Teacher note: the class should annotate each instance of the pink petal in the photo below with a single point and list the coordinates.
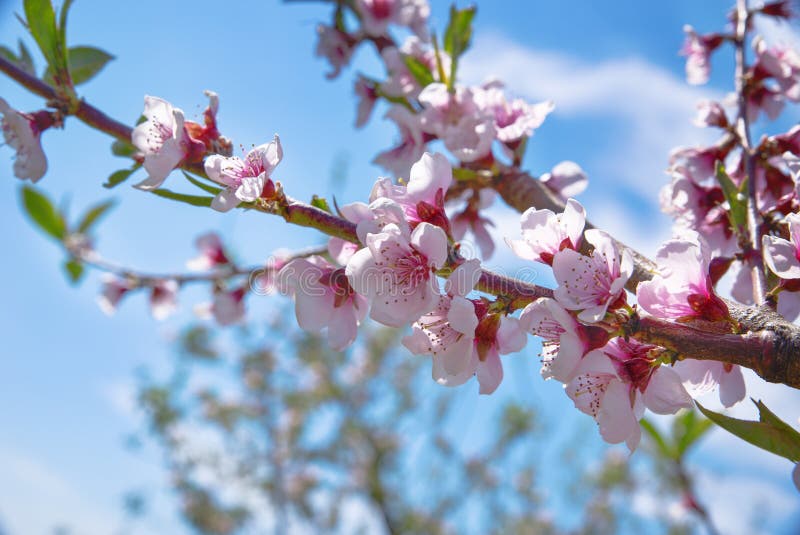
(431, 173)
(490, 373)
(731, 387)
(461, 316)
(781, 257)
(431, 241)
(464, 278)
(615, 417)
(665, 393)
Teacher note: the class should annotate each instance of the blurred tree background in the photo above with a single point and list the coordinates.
(279, 434)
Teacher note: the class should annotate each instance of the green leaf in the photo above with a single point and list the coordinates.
(688, 428)
(118, 177)
(208, 188)
(23, 60)
(770, 433)
(121, 148)
(94, 214)
(42, 212)
(41, 21)
(194, 200)
(62, 23)
(457, 37)
(74, 270)
(85, 62)
(736, 199)
(321, 203)
(654, 434)
(420, 71)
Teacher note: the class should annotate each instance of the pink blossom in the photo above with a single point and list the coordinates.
(515, 119)
(698, 49)
(264, 281)
(566, 180)
(783, 64)
(495, 335)
(471, 218)
(544, 233)
(766, 99)
(399, 159)
(341, 250)
(376, 15)
(401, 83)
(564, 340)
(422, 198)
(710, 113)
(395, 271)
(783, 256)
(458, 119)
(323, 299)
(163, 298)
(228, 306)
(702, 376)
(114, 288)
(244, 180)
(697, 164)
(616, 383)
(591, 284)
(447, 332)
(21, 133)
(212, 254)
(682, 288)
(367, 97)
(163, 139)
(336, 46)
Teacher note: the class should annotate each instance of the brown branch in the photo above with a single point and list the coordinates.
(752, 244)
(769, 349)
(86, 112)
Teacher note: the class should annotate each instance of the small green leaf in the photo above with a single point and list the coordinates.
(62, 23)
(41, 21)
(688, 428)
(770, 433)
(321, 203)
(118, 177)
(420, 71)
(94, 214)
(42, 212)
(458, 34)
(656, 436)
(25, 59)
(737, 200)
(208, 188)
(194, 200)
(85, 62)
(122, 148)
(74, 270)
(457, 37)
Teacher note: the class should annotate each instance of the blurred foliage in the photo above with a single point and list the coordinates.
(285, 435)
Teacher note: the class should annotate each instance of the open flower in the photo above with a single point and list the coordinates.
(783, 256)
(323, 299)
(447, 332)
(682, 288)
(458, 119)
(566, 180)
(564, 340)
(544, 233)
(471, 219)
(408, 150)
(336, 46)
(212, 254)
(244, 180)
(376, 15)
(114, 288)
(698, 49)
(515, 119)
(591, 284)
(163, 140)
(616, 383)
(164, 298)
(395, 272)
(22, 134)
(702, 376)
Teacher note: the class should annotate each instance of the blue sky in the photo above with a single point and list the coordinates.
(621, 104)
